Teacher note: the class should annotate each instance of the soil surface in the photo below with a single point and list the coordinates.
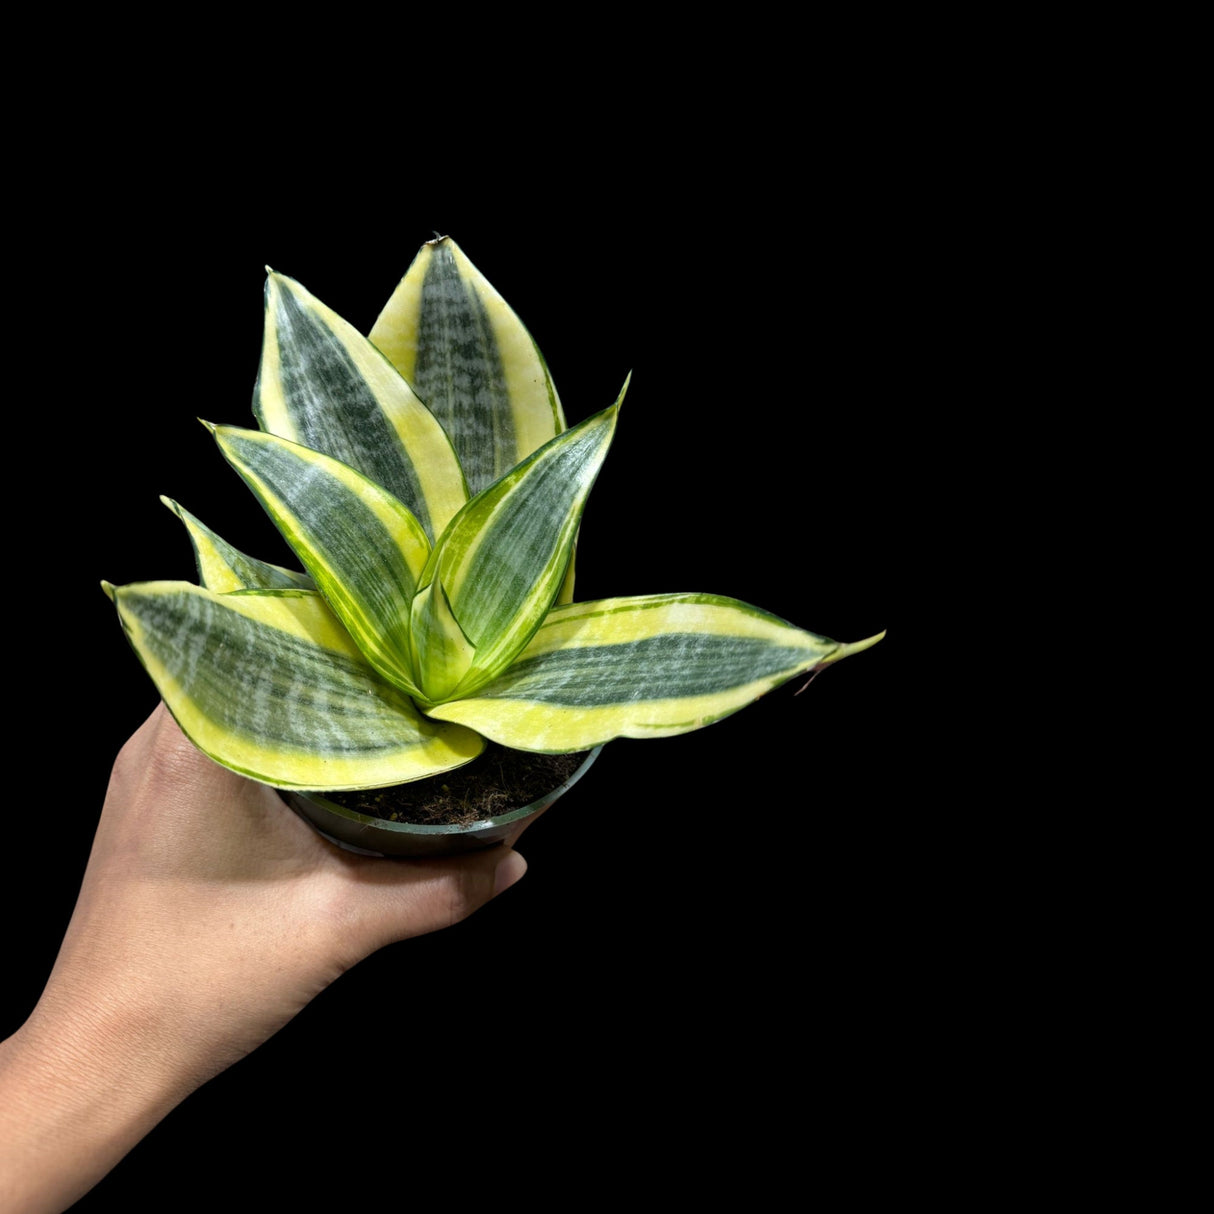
(498, 781)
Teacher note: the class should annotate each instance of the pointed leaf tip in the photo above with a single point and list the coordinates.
(846, 650)
(108, 587)
(619, 400)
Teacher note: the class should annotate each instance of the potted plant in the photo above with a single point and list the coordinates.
(427, 481)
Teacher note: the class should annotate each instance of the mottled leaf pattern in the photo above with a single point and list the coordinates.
(269, 684)
(323, 385)
(637, 668)
(468, 356)
(427, 483)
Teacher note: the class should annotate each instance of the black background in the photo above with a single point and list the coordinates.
(714, 928)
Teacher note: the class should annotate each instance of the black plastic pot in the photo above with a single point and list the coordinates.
(373, 836)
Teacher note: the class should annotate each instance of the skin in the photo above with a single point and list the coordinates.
(209, 915)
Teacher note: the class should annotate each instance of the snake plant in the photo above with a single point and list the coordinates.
(426, 480)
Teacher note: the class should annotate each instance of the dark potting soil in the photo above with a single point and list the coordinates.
(497, 781)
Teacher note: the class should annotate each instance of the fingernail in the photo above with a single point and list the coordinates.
(511, 868)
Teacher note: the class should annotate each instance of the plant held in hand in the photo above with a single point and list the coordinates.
(427, 482)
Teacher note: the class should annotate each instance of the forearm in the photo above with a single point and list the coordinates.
(77, 1091)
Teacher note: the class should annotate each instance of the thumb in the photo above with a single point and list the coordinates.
(403, 898)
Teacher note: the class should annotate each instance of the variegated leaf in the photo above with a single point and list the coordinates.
(442, 654)
(323, 385)
(363, 548)
(224, 569)
(639, 668)
(269, 684)
(468, 356)
(503, 559)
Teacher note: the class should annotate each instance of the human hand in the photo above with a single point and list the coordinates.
(209, 915)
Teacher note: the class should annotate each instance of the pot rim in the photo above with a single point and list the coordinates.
(481, 825)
